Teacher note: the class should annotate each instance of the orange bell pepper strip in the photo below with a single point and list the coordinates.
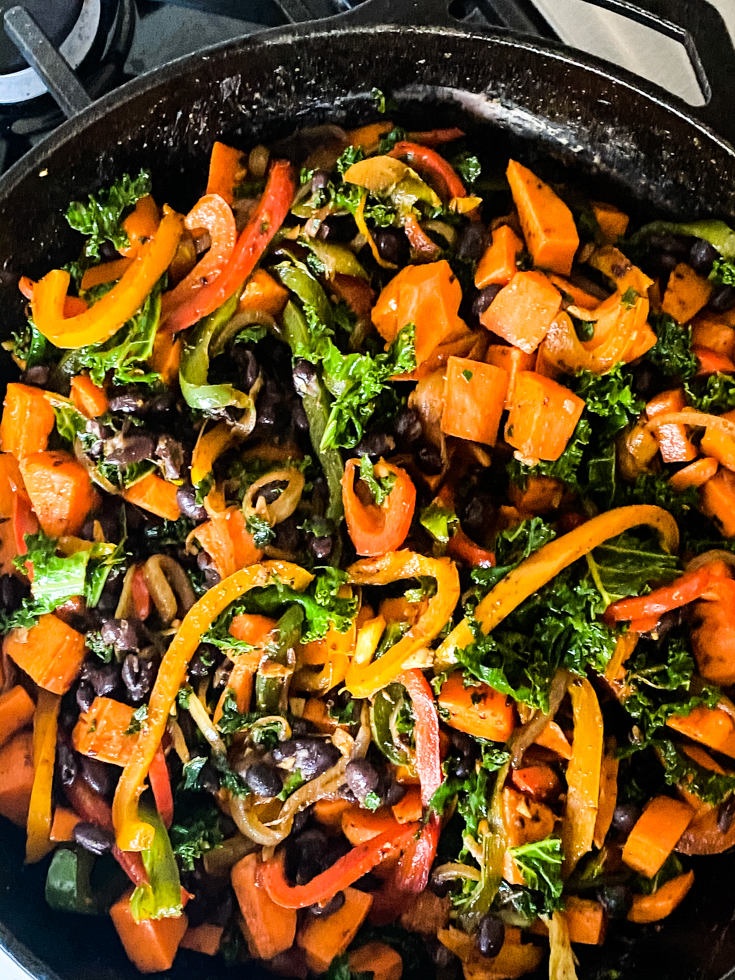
(133, 834)
(214, 214)
(429, 163)
(374, 529)
(40, 811)
(533, 573)
(365, 679)
(253, 240)
(72, 305)
(644, 612)
(345, 871)
(105, 317)
(583, 775)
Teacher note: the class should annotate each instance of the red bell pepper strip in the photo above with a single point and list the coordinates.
(435, 137)
(428, 752)
(23, 521)
(426, 249)
(464, 549)
(431, 165)
(644, 612)
(356, 863)
(414, 867)
(253, 240)
(376, 530)
(140, 595)
(161, 785)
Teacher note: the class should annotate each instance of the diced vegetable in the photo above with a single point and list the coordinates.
(27, 421)
(378, 958)
(526, 821)
(710, 362)
(548, 225)
(543, 418)
(717, 498)
(719, 445)
(16, 777)
(271, 929)
(612, 222)
(498, 263)
(60, 490)
(323, 939)
(205, 938)
(227, 169)
(524, 310)
(262, 292)
(541, 495)
(675, 445)
(101, 732)
(427, 296)
(88, 398)
(656, 833)
(69, 885)
(686, 293)
(156, 496)
(151, 944)
(552, 737)
(713, 641)
(653, 908)
(694, 475)
(477, 709)
(585, 919)
(409, 808)
(360, 825)
(50, 652)
(710, 726)
(330, 812)
(474, 398)
(228, 542)
(16, 711)
(11, 482)
(538, 781)
(511, 360)
(712, 332)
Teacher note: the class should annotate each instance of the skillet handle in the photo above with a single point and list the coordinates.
(701, 29)
(433, 13)
(40, 54)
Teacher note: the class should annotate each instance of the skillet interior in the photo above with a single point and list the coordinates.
(536, 101)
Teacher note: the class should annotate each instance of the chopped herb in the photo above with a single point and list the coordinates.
(260, 529)
(380, 487)
(137, 720)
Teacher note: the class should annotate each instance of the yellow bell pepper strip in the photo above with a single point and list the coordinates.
(38, 843)
(339, 649)
(583, 775)
(210, 446)
(365, 679)
(542, 566)
(107, 315)
(134, 834)
(364, 230)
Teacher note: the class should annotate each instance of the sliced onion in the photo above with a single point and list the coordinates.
(454, 870)
(707, 557)
(169, 587)
(693, 417)
(125, 607)
(204, 723)
(285, 504)
(525, 736)
(250, 825)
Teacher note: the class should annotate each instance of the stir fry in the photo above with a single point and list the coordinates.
(367, 549)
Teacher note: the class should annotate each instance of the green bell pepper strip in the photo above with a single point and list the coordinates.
(717, 233)
(271, 691)
(194, 369)
(386, 704)
(305, 287)
(316, 405)
(160, 897)
(69, 885)
(336, 259)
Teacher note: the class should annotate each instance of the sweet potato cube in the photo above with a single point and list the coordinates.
(474, 397)
(523, 311)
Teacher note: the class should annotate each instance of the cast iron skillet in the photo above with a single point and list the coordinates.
(553, 108)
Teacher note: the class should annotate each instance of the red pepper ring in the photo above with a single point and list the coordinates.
(429, 163)
(646, 611)
(377, 530)
(347, 870)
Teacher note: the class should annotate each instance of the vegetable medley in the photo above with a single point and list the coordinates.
(367, 562)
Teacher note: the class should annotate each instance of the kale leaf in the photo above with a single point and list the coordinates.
(540, 864)
(512, 546)
(196, 829)
(380, 487)
(714, 394)
(671, 356)
(101, 218)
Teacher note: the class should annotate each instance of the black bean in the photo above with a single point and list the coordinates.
(186, 499)
(111, 592)
(125, 450)
(625, 817)
(104, 678)
(472, 241)
(726, 814)
(464, 768)
(299, 417)
(270, 492)
(100, 776)
(138, 676)
(308, 854)
(702, 256)
(247, 366)
(616, 900)
(337, 228)
(392, 245)
(304, 377)
(301, 819)
(108, 252)
(321, 548)
(222, 912)
(123, 634)
(37, 375)
(170, 453)
(429, 460)
(441, 888)
(375, 444)
(197, 908)
(164, 401)
(677, 245)
(205, 660)
(288, 535)
(334, 904)
(205, 563)
(93, 838)
(478, 514)
(362, 778)
(490, 936)
(264, 780)
(85, 696)
(661, 263)
(128, 401)
(312, 756)
(645, 381)
(12, 592)
(408, 426)
(723, 299)
(483, 299)
(393, 793)
(320, 180)
(66, 763)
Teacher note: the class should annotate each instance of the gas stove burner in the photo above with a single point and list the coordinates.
(94, 37)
